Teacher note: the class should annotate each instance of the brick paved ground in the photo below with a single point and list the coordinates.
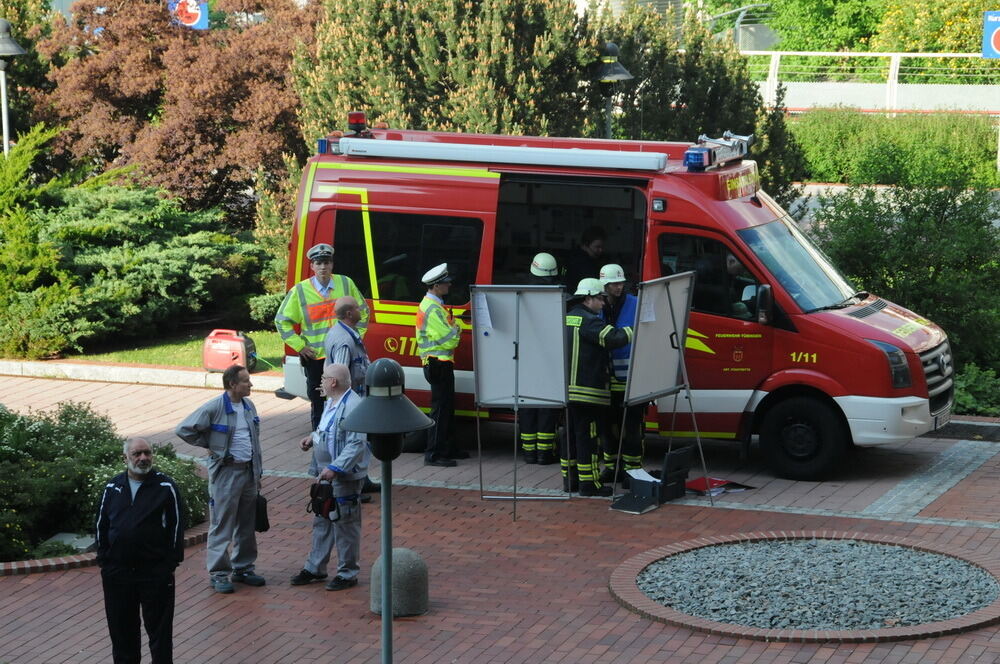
(501, 591)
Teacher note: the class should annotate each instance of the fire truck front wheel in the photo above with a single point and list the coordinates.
(803, 438)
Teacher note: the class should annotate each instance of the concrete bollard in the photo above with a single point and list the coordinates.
(409, 584)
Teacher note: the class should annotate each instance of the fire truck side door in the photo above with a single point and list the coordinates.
(728, 353)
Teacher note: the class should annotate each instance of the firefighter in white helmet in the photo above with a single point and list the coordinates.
(620, 311)
(588, 341)
(537, 426)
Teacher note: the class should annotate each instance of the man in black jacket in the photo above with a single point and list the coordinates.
(140, 541)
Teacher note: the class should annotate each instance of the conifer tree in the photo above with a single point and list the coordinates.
(494, 66)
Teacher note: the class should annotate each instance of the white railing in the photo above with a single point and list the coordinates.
(963, 95)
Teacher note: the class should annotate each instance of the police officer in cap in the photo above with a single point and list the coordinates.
(437, 338)
(309, 307)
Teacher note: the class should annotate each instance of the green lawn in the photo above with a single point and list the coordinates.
(185, 351)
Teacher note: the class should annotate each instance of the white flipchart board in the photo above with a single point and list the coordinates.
(658, 338)
(526, 323)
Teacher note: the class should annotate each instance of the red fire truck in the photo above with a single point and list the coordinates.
(779, 344)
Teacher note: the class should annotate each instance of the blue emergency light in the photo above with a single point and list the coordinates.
(716, 151)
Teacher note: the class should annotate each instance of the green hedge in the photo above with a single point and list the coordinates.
(847, 146)
(53, 466)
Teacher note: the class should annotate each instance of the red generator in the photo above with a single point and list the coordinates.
(224, 348)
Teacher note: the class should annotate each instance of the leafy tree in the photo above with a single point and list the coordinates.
(930, 248)
(826, 25)
(495, 66)
(916, 26)
(674, 95)
(30, 22)
(199, 112)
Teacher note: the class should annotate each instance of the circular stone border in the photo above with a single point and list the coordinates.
(625, 590)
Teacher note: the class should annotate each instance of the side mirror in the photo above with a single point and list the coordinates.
(765, 304)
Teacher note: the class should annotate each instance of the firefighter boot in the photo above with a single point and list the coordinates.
(546, 458)
(530, 456)
(588, 489)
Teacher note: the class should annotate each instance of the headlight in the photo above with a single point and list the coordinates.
(899, 368)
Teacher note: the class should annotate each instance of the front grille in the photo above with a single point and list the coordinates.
(869, 309)
(939, 368)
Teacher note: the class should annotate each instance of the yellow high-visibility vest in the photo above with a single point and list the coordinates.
(314, 314)
(437, 333)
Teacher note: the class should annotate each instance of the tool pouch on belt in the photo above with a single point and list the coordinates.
(321, 501)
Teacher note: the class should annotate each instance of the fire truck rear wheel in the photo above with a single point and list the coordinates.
(803, 438)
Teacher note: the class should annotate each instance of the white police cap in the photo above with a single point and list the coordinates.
(321, 251)
(437, 275)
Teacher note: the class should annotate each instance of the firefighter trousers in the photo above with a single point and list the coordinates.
(538, 429)
(632, 442)
(581, 448)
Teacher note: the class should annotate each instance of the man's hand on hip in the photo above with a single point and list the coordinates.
(308, 353)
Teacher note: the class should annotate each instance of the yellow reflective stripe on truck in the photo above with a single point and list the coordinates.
(384, 168)
(300, 249)
(366, 224)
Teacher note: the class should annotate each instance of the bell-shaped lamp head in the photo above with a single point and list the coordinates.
(385, 413)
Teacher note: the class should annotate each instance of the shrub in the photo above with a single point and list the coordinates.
(931, 249)
(263, 308)
(977, 391)
(53, 466)
(845, 145)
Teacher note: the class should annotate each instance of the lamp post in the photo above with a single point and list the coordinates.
(8, 49)
(385, 414)
(611, 71)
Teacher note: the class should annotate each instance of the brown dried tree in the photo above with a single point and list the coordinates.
(197, 111)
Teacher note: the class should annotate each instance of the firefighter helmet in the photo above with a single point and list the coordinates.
(544, 265)
(612, 274)
(589, 287)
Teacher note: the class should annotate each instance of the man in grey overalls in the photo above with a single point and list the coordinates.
(340, 457)
(229, 427)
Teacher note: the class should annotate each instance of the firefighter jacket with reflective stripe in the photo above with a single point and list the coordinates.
(143, 536)
(437, 333)
(588, 341)
(622, 315)
(306, 307)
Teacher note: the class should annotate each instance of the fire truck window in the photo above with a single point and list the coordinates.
(405, 246)
(551, 214)
(723, 285)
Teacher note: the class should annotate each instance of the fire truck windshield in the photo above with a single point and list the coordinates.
(799, 266)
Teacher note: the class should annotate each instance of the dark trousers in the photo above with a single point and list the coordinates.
(314, 374)
(123, 599)
(582, 440)
(441, 376)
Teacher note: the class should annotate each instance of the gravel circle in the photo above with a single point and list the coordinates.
(818, 584)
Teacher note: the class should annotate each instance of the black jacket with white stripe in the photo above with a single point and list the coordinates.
(144, 537)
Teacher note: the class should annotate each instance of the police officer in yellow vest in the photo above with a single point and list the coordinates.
(437, 337)
(589, 339)
(309, 306)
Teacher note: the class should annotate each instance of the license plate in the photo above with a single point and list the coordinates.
(942, 419)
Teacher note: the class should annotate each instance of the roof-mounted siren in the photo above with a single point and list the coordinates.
(717, 151)
(357, 126)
